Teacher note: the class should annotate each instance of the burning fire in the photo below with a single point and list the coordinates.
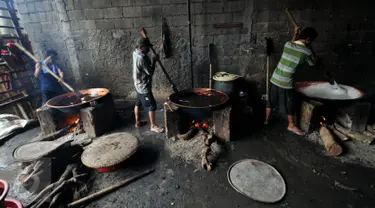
(202, 125)
(75, 127)
(324, 121)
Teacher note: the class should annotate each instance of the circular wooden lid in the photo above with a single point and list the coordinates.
(110, 150)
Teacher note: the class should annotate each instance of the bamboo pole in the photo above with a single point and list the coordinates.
(45, 67)
(109, 189)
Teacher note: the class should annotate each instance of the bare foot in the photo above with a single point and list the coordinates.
(138, 124)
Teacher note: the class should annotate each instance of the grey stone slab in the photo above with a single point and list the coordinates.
(123, 23)
(112, 13)
(99, 4)
(93, 14)
(133, 11)
(75, 15)
(105, 24)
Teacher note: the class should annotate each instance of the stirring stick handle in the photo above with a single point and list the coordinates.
(45, 67)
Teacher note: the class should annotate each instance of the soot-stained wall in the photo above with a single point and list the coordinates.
(345, 43)
(96, 38)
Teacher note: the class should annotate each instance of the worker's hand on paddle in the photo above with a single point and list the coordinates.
(297, 30)
(61, 80)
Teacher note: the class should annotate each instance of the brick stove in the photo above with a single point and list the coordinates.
(218, 122)
(352, 116)
(95, 119)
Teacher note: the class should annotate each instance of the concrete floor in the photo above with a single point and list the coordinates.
(313, 179)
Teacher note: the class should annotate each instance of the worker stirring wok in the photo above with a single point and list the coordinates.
(295, 53)
(50, 86)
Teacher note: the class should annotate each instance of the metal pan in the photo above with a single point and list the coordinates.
(303, 87)
(198, 102)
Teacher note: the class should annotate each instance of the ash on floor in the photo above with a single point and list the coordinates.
(313, 179)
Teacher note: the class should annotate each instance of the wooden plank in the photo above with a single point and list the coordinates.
(6, 104)
(46, 120)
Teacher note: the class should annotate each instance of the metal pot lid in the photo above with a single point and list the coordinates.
(36, 150)
(110, 150)
(257, 180)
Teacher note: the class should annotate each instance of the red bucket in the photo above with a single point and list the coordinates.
(7, 202)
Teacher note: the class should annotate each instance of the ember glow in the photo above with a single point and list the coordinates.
(324, 121)
(203, 125)
(75, 127)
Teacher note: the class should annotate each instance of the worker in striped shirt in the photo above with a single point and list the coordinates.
(296, 53)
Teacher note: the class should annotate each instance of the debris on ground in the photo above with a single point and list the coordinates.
(202, 150)
(341, 186)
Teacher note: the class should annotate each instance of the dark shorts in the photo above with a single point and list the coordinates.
(281, 98)
(147, 101)
(47, 95)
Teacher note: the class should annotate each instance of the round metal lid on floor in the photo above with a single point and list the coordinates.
(257, 180)
(36, 150)
(110, 150)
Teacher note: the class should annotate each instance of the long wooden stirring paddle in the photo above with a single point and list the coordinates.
(45, 67)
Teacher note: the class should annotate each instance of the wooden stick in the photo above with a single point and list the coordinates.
(291, 18)
(58, 188)
(354, 135)
(144, 35)
(369, 134)
(36, 169)
(187, 135)
(370, 129)
(63, 177)
(340, 135)
(55, 200)
(45, 67)
(109, 189)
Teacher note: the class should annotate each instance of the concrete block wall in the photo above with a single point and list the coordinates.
(102, 34)
(345, 43)
(45, 24)
(96, 38)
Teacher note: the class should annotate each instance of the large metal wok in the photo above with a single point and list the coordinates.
(70, 103)
(198, 102)
(326, 93)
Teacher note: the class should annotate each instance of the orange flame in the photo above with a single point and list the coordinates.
(322, 123)
(203, 125)
(75, 127)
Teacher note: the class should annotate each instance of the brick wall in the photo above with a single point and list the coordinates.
(96, 38)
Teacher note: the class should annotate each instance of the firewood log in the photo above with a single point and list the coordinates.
(50, 187)
(188, 135)
(331, 146)
(370, 129)
(354, 135)
(206, 165)
(338, 134)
